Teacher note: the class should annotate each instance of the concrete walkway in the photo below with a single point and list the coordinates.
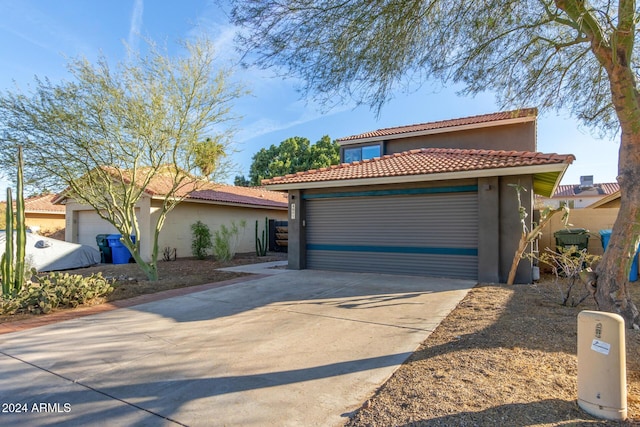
(299, 348)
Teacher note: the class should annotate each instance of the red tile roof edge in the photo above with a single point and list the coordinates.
(44, 204)
(569, 190)
(256, 199)
(542, 158)
(443, 124)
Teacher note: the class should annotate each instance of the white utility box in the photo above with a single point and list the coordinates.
(602, 368)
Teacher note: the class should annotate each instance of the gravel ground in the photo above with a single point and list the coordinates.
(506, 356)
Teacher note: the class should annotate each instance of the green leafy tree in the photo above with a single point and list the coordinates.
(110, 132)
(293, 155)
(241, 181)
(563, 54)
(324, 153)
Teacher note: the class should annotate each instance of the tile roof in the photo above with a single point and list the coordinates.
(444, 124)
(255, 196)
(575, 190)
(44, 204)
(194, 189)
(424, 161)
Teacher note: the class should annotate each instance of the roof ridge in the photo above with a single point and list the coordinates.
(488, 118)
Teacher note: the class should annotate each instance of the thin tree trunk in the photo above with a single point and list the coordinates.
(612, 286)
(612, 289)
(614, 53)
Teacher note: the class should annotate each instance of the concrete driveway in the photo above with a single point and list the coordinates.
(299, 348)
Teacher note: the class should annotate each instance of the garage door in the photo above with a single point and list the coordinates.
(90, 225)
(427, 231)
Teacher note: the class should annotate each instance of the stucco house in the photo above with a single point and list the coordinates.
(213, 204)
(431, 199)
(44, 216)
(610, 201)
(577, 196)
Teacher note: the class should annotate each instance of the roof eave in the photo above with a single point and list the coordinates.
(234, 204)
(557, 169)
(611, 197)
(458, 128)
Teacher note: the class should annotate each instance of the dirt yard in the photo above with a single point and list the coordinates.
(505, 356)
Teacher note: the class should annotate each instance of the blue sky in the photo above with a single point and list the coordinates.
(37, 37)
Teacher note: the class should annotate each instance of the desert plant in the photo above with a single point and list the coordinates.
(261, 245)
(12, 265)
(201, 242)
(169, 254)
(527, 236)
(568, 265)
(55, 290)
(225, 242)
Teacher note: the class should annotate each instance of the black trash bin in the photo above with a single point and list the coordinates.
(105, 250)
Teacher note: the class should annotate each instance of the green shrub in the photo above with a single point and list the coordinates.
(56, 290)
(226, 239)
(201, 242)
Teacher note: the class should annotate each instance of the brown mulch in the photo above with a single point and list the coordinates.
(505, 356)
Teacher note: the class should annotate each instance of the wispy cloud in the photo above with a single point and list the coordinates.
(135, 27)
(28, 22)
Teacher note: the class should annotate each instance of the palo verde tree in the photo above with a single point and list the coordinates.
(577, 55)
(152, 125)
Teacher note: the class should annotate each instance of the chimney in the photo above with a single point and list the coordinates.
(586, 182)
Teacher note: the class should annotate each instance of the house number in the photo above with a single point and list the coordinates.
(293, 211)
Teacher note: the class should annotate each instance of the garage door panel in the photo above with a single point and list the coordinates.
(463, 267)
(403, 233)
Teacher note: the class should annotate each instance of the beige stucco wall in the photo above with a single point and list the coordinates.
(46, 222)
(176, 232)
(593, 220)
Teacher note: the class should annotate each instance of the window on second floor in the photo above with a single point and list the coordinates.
(355, 154)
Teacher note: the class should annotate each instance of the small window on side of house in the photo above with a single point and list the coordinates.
(355, 154)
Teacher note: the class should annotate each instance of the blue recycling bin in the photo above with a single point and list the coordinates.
(119, 252)
(605, 235)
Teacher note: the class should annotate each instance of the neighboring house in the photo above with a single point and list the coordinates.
(43, 216)
(577, 196)
(607, 202)
(213, 204)
(437, 200)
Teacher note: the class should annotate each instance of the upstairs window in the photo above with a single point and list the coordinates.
(355, 154)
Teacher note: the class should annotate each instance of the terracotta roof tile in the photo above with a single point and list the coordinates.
(256, 196)
(444, 124)
(574, 190)
(192, 188)
(43, 203)
(425, 161)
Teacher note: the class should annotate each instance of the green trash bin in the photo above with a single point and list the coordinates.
(578, 237)
(103, 247)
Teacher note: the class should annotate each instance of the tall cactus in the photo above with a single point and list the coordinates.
(13, 267)
(261, 245)
(21, 229)
(7, 257)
